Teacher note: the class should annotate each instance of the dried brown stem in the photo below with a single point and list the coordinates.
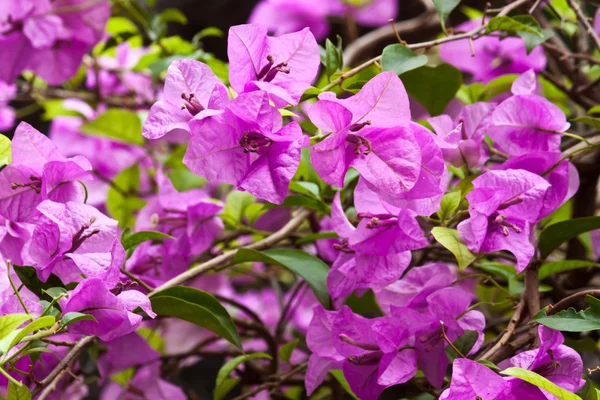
(508, 332)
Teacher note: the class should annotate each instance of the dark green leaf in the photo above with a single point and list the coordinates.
(555, 235)
(16, 392)
(29, 278)
(72, 317)
(573, 321)
(173, 15)
(464, 344)
(451, 240)
(400, 59)
(444, 8)
(225, 387)
(306, 202)
(532, 40)
(135, 239)
(311, 93)
(310, 268)
(229, 367)
(433, 87)
(317, 236)
(56, 292)
(117, 124)
(519, 23)
(590, 121)
(197, 307)
(332, 58)
(285, 352)
(541, 382)
(551, 268)
(339, 376)
(495, 268)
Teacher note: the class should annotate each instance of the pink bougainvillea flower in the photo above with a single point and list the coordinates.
(473, 380)
(526, 122)
(125, 352)
(38, 172)
(461, 140)
(503, 206)
(372, 353)
(192, 91)
(113, 312)
(287, 16)
(367, 13)
(247, 146)
(7, 113)
(554, 361)
(49, 37)
(146, 384)
(447, 310)
(283, 66)
(493, 57)
(75, 239)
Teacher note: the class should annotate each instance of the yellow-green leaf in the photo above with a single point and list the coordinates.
(450, 239)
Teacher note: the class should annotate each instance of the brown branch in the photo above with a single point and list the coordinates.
(136, 279)
(276, 383)
(532, 289)
(267, 242)
(585, 23)
(508, 332)
(572, 300)
(59, 371)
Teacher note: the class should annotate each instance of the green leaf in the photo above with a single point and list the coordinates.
(313, 237)
(15, 337)
(306, 202)
(449, 205)
(551, 268)
(533, 40)
(236, 203)
(5, 151)
(133, 240)
(339, 376)
(29, 278)
(519, 23)
(10, 322)
(310, 268)
(225, 387)
(400, 59)
(489, 364)
(122, 125)
(332, 58)
(211, 31)
(55, 292)
(117, 26)
(16, 392)
(122, 203)
(287, 113)
(541, 382)
(444, 8)
(229, 367)
(590, 121)
(594, 110)
(433, 87)
(451, 240)
(152, 336)
(555, 235)
(573, 321)
(285, 352)
(72, 317)
(197, 307)
(309, 189)
(464, 344)
(495, 268)
(173, 15)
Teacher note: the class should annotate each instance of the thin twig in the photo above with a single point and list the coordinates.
(270, 385)
(586, 24)
(136, 279)
(267, 242)
(508, 332)
(572, 300)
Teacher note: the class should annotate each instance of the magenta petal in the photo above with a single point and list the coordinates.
(164, 118)
(396, 368)
(525, 84)
(329, 116)
(340, 222)
(190, 76)
(247, 52)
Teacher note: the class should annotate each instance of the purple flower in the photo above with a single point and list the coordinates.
(414, 287)
(49, 37)
(7, 113)
(71, 240)
(39, 172)
(114, 313)
(282, 66)
(526, 122)
(554, 361)
(192, 91)
(370, 132)
(115, 76)
(145, 385)
(461, 141)
(247, 146)
(376, 253)
(368, 13)
(447, 311)
(503, 206)
(124, 352)
(493, 57)
(472, 380)
(287, 16)
(373, 354)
